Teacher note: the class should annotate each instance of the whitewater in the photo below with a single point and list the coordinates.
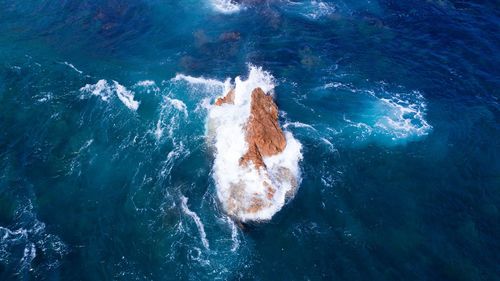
(239, 187)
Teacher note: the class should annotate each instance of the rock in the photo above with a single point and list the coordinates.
(263, 133)
(228, 98)
(260, 190)
(253, 154)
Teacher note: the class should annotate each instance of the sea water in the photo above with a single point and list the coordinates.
(108, 170)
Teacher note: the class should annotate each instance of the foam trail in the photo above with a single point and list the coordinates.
(298, 125)
(105, 91)
(234, 234)
(239, 187)
(198, 80)
(126, 96)
(197, 220)
(330, 144)
(169, 119)
(158, 132)
(16, 234)
(28, 256)
(72, 67)
(206, 85)
(178, 104)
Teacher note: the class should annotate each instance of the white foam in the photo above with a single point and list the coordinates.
(298, 125)
(197, 220)
(101, 89)
(46, 96)
(314, 10)
(12, 235)
(204, 85)
(31, 234)
(403, 114)
(320, 9)
(329, 143)
(234, 234)
(406, 120)
(29, 255)
(225, 6)
(72, 67)
(158, 132)
(226, 127)
(332, 85)
(179, 105)
(105, 91)
(169, 117)
(198, 80)
(148, 85)
(126, 96)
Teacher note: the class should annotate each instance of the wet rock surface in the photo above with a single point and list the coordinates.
(265, 138)
(264, 135)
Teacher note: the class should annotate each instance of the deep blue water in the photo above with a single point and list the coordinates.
(396, 104)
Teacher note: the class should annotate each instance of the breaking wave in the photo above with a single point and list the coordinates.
(106, 90)
(225, 6)
(206, 84)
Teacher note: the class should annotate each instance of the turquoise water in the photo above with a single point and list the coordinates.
(106, 171)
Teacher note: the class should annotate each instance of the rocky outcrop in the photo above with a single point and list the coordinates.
(264, 137)
(259, 190)
(228, 98)
(263, 133)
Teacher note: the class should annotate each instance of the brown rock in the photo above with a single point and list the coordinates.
(229, 98)
(270, 191)
(264, 136)
(256, 205)
(253, 154)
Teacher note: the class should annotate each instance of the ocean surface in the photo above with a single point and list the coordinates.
(107, 170)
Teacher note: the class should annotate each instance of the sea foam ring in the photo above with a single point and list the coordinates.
(252, 191)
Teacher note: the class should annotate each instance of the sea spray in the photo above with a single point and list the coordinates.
(225, 6)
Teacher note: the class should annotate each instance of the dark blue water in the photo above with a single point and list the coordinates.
(396, 104)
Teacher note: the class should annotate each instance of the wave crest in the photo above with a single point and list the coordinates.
(106, 90)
